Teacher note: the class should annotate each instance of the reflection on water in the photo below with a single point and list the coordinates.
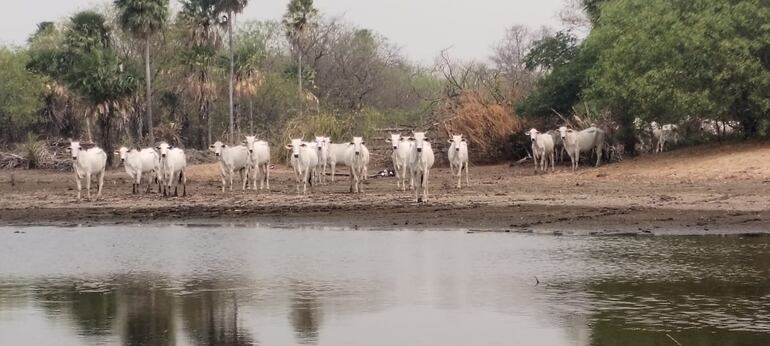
(251, 285)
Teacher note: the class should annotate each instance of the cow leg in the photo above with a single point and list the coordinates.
(426, 174)
(334, 170)
(467, 173)
(101, 184)
(598, 155)
(77, 180)
(232, 175)
(352, 180)
(459, 175)
(244, 178)
(88, 186)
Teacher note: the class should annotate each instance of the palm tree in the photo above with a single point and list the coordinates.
(231, 7)
(298, 18)
(201, 21)
(143, 19)
(95, 73)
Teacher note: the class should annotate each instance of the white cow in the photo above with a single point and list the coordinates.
(259, 154)
(582, 142)
(304, 161)
(172, 165)
(558, 145)
(336, 156)
(232, 159)
(719, 128)
(140, 161)
(662, 135)
(421, 160)
(86, 163)
(458, 157)
(322, 150)
(542, 150)
(401, 150)
(357, 158)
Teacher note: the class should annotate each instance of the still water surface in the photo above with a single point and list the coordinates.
(178, 285)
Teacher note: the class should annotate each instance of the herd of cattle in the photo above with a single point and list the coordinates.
(412, 157)
(165, 165)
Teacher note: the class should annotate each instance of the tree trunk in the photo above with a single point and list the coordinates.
(88, 128)
(105, 136)
(148, 101)
(299, 78)
(208, 124)
(232, 72)
(251, 117)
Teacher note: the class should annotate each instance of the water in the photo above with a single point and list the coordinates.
(179, 285)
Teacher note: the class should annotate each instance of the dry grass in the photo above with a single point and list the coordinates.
(486, 125)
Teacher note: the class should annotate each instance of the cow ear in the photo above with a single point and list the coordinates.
(401, 139)
(450, 141)
(351, 143)
(288, 146)
(363, 143)
(388, 140)
(210, 147)
(427, 139)
(225, 146)
(411, 139)
(157, 148)
(117, 153)
(243, 142)
(302, 145)
(463, 140)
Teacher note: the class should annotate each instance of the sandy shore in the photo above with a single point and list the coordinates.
(707, 190)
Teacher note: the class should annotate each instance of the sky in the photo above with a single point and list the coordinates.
(422, 28)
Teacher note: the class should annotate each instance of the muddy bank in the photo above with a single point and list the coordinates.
(716, 190)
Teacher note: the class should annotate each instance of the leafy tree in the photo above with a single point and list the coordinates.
(552, 51)
(96, 74)
(202, 22)
(298, 19)
(669, 61)
(20, 94)
(143, 19)
(231, 7)
(566, 65)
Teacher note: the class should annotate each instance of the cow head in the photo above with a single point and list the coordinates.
(457, 141)
(74, 149)
(249, 143)
(420, 141)
(320, 143)
(563, 131)
(533, 135)
(217, 148)
(163, 148)
(357, 144)
(122, 153)
(295, 147)
(395, 138)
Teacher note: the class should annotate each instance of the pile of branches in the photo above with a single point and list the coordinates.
(35, 153)
(486, 125)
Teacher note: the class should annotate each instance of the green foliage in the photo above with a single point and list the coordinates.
(20, 93)
(561, 89)
(299, 15)
(662, 60)
(552, 51)
(142, 18)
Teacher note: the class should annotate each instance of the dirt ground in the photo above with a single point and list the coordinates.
(716, 189)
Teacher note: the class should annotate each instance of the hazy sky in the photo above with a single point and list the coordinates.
(421, 27)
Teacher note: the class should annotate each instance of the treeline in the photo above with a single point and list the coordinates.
(87, 77)
(134, 73)
(667, 61)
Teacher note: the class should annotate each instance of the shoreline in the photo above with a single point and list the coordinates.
(516, 218)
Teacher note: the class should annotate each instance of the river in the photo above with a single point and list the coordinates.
(263, 285)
